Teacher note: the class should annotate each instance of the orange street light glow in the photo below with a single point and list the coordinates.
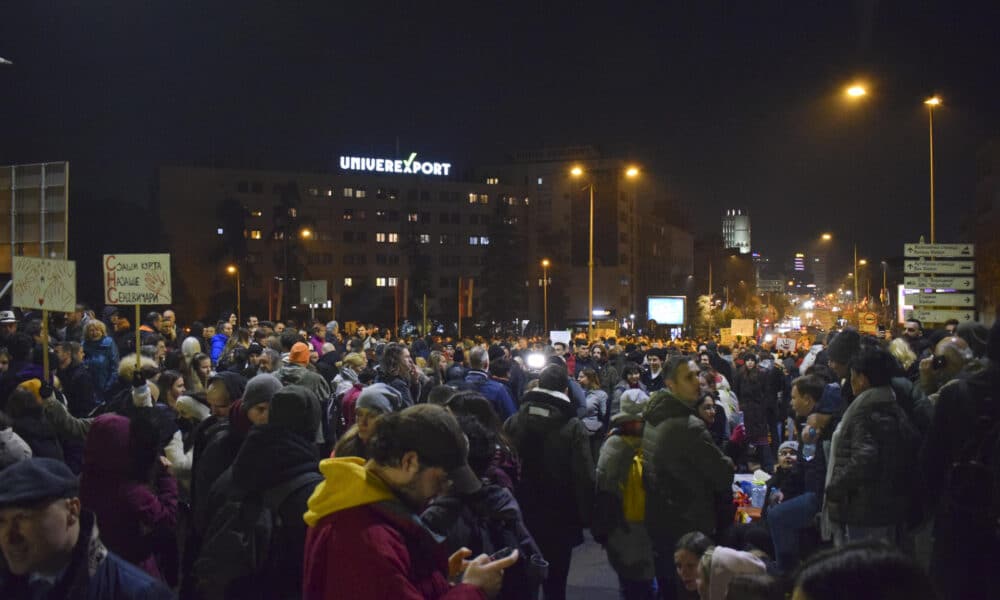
(632, 172)
(933, 101)
(826, 237)
(856, 91)
(231, 269)
(576, 171)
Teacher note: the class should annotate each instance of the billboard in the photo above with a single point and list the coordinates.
(667, 310)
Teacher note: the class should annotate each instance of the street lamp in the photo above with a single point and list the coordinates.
(932, 103)
(234, 270)
(545, 296)
(577, 171)
(305, 233)
(826, 237)
(856, 91)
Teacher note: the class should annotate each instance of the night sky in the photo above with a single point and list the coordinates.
(738, 103)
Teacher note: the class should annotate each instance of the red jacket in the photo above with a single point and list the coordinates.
(363, 543)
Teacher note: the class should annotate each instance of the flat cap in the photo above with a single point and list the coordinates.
(35, 479)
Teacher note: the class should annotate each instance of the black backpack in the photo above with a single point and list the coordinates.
(237, 543)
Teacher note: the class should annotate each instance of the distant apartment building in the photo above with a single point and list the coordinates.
(736, 230)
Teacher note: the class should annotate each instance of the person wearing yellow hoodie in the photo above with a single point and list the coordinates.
(366, 539)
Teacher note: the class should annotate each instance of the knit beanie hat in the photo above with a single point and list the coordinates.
(379, 397)
(261, 388)
(354, 360)
(297, 408)
(789, 444)
(299, 354)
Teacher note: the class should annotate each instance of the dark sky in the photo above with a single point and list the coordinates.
(738, 103)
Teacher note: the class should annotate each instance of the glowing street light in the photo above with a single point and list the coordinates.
(931, 103)
(305, 233)
(856, 91)
(826, 237)
(632, 172)
(545, 295)
(234, 270)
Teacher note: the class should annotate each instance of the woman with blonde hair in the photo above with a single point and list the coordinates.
(100, 355)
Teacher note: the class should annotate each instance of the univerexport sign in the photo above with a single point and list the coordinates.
(410, 165)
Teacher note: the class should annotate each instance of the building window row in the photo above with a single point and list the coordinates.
(386, 281)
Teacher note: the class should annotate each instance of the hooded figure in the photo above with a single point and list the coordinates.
(130, 491)
(720, 565)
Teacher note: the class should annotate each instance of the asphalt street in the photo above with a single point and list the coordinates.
(590, 575)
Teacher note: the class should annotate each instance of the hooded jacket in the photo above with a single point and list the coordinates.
(363, 543)
(684, 471)
(726, 565)
(270, 456)
(556, 488)
(134, 515)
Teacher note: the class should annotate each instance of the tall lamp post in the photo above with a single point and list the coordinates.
(577, 171)
(931, 103)
(234, 270)
(545, 296)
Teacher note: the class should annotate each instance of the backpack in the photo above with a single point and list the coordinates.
(237, 543)
(634, 492)
(973, 480)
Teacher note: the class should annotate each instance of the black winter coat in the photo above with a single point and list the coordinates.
(40, 437)
(556, 489)
(751, 392)
(873, 461)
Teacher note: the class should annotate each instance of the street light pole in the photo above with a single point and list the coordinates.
(545, 297)
(931, 103)
(234, 270)
(590, 270)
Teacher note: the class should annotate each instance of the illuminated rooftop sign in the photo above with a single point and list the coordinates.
(390, 165)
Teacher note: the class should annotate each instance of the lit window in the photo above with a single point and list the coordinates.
(474, 240)
(219, 231)
(425, 238)
(329, 192)
(392, 282)
(444, 238)
(359, 193)
(348, 214)
(484, 240)
(526, 201)
(380, 237)
(380, 282)
(539, 181)
(256, 213)
(313, 191)
(393, 238)
(484, 199)
(472, 198)
(293, 212)
(348, 281)
(255, 234)
(413, 217)
(348, 192)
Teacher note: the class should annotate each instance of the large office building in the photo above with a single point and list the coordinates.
(34, 211)
(385, 232)
(736, 230)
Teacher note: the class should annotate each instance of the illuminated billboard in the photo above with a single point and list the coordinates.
(389, 165)
(667, 310)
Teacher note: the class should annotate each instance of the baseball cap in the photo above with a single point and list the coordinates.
(435, 435)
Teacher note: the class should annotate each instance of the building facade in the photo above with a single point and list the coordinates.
(736, 229)
(384, 238)
(34, 211)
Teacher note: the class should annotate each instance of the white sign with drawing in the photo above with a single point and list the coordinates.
(44, 283)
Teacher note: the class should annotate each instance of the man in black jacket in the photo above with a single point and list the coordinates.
(556, 490)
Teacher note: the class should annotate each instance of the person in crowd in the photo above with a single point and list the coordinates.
(100, 356)
(172, 387)
(959, 458)
(21, 369)
(277, 461)
(631, 379)
(619, 516)
(597, 408)
(751, 389)
(397, 370)
(951, 359)
(478, 379)
(913, 333)
(373, 402)
(867, 487)
(600, 360)
(719, 565)
(485, 517)
(866, 571)
(687, 559)
(684, 471)
(127, 484)
(220, 339)
(78, 385)
(50, 545)
(556, 488)
(652, 377)
(30, 423)
(201, 371)
(150, 326)
(364, 540)
(714, 417)
(505, 468)
(976, 335)
(790, 515)
(13, 448)
(4, 360)
(788, 481)
(902, 352)
(297, 371)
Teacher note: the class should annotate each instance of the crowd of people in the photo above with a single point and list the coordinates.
(289, 460)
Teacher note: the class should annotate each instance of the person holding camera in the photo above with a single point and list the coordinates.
(951, 357)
